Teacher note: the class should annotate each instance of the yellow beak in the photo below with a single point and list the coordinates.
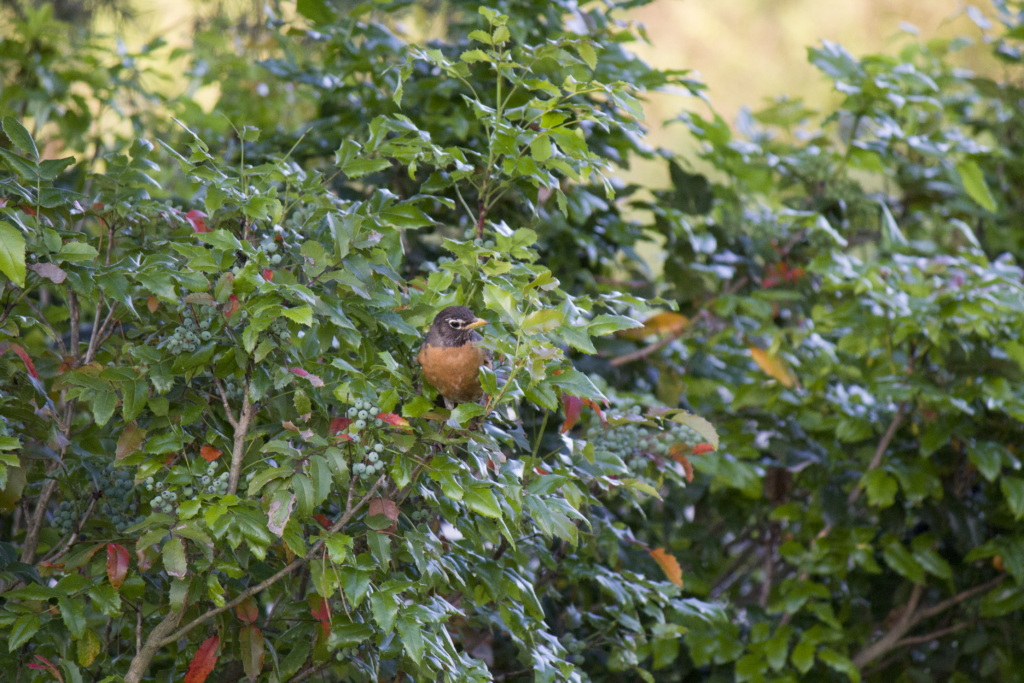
(479, 322)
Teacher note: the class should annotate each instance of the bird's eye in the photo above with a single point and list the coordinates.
(456, 323)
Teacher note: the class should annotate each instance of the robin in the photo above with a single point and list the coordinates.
(451, 355)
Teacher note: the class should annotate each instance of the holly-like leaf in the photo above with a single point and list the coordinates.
(129, 441)
(669, 564)
(175, 562)
(699, 425)
(573, 407)
(204, 661)
(117, 564)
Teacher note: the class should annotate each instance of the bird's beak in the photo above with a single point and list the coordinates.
(478, 322)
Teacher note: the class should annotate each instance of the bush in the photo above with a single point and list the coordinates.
(840, 299)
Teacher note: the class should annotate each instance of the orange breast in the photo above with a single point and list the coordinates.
(454, 370)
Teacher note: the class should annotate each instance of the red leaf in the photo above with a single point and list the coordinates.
(29, 365)
(323, 521)
(573, 407)
(702, 448)
(204, 661)
(195, 219)
(321, 611)
(268, 275)
(117, 564)
(393, 419)
(27, 209)
(247, 611)
(46, 666)
(313, 379)
(319, 608)
(541, 471)
(339, 426)
(209, 453)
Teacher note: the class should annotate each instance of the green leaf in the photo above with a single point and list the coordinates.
(316, 10)
(1013, 491)
(175, 562)
(900, 559)
(73, 613)
(23, 630)
(881, 488)
(699, 425)
(12, 253)
(360, 167)
(587, 54)
(412, 638)
(607, 324)
(380, 546)
(384, 608)
(76, 251)
(482, 501)
(973, 179)
(20, 137)
(542, 321)
(475, 56)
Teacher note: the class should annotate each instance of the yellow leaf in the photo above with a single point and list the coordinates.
(660, 323)
(773, 366)
(669, 564)
(88, 647)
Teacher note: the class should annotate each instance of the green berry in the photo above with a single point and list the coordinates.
(275, 259)
(378, 422)
(379, 448)
(363, 414)
(352, 412)
(360, 424)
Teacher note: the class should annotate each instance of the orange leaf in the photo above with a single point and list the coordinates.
(323, 521)
(231, 306)
(152, 303)
(660, 323)
(773, 366)
(676, 453)
(209, 453)
(117, 564)
(247, 610)
(702, 448)
(204, 661)
(669, 564)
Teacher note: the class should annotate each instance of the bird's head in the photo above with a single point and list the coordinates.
(454, 326)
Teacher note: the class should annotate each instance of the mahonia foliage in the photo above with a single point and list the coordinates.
(237, 452)
(219, 458)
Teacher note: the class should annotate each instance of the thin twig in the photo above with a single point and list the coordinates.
(917, 640)
(309, 671)
(648, 350)
(42, 318)
(53, 556)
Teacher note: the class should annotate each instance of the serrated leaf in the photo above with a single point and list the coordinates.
(669, 564)
(12, 253)
(20, 137)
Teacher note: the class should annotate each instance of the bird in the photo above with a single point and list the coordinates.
(451, 355)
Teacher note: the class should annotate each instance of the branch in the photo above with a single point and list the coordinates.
(28, 553)
(153, 644)
(917, 640)
(956, 600)
(97, 334)
(238, 449)
(46, 323)
(224, 400)
(648, 350)
(295, 564)
(889, 640)
(309, 671)
(882, 446)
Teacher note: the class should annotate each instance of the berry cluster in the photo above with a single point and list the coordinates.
(478, 242)
(164, 500)
(346, 653)
(65, 518)
(118, 498)
(279, 328)
(360, 412)
(574, 647)
(213, 482)
(270, 248)
(635, 443)
(234, 391)
(420, 515)
(191, 332)
(373, 463)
